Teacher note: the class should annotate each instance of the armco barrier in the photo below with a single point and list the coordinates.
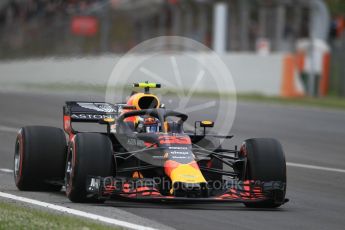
(251, 73)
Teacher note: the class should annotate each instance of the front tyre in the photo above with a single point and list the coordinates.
(90, 154)
(265, 162)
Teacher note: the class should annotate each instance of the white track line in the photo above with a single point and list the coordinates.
(120, 223)
(315, 167)
(6, 170)
(8, 129)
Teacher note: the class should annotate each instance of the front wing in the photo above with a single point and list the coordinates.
(146, 190)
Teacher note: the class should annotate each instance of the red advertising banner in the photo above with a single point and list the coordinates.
(84, 26)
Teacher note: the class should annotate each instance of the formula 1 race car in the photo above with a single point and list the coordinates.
(144, 154)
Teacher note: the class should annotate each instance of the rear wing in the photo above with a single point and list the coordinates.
(91, 112)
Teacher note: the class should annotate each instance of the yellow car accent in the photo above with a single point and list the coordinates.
(187, 174)
(206, 123)
(146, 85)
(109, 120)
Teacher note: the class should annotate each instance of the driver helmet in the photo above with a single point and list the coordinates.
(150, 125)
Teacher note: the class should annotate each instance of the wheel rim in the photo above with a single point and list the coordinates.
(17, 159)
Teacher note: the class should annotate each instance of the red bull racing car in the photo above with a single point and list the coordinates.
(144, 154)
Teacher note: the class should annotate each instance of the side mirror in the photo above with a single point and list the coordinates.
(203, 124)
(206, 124)
(106, 121)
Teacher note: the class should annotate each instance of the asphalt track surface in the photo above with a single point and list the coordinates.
(309, 137)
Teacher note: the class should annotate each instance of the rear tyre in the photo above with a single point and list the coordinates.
(39, 158)
(90, 154)
(265, 162)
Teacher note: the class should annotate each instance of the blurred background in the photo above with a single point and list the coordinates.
(287, 62)
(299, 42)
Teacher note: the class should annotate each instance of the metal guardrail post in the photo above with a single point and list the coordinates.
(244, 27)
(220, 19)
(105, 26)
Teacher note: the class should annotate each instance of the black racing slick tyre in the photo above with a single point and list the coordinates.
(90, 154)
(265, 162)
(39, 158)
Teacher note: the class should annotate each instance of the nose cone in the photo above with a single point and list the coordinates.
(187, 173)
(186, 178)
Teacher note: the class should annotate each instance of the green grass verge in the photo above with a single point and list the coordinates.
(14, 216)
(324, 102)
